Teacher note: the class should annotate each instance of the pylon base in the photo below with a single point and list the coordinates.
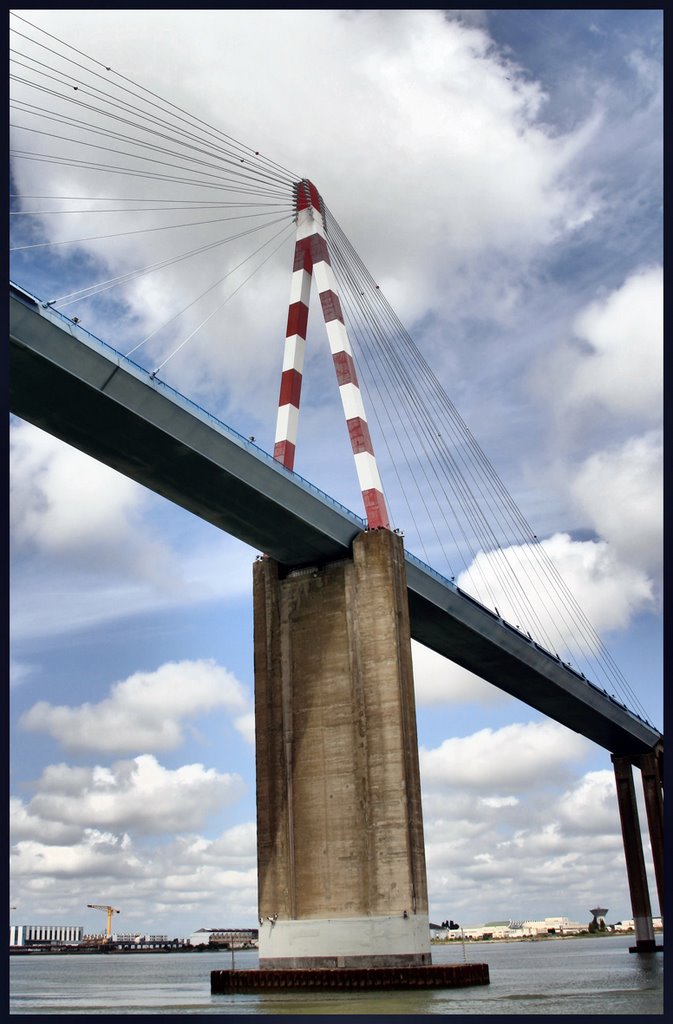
(348, 978)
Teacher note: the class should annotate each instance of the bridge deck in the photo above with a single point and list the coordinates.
(77, 388)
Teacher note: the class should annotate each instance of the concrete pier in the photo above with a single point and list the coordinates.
(635, 861)
(341, 860)
(651, 771)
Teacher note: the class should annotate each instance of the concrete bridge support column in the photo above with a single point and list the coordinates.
(341, 861)
(633, 852)
(650, 768)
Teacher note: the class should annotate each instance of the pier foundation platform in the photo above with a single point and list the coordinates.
(348, 978)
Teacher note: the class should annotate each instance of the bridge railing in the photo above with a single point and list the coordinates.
(450, 584)
(419, 563)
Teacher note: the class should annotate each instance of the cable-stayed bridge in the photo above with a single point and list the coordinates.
(78, 388)
(92, 124)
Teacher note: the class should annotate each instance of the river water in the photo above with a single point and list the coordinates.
(589, 976)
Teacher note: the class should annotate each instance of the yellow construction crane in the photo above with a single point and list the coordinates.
(109, 911)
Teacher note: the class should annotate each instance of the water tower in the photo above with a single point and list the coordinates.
(598, 922)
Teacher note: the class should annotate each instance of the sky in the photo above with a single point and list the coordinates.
(499, 173)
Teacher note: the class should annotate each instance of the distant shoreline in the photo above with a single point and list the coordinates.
(115, 951)
(533, 938)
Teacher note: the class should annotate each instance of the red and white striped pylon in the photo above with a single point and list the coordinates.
(311, 255)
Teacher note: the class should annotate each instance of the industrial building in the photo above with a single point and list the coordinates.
(45, 934)
(511, 929)
(240, 938)
(629, 925)
(146, 941)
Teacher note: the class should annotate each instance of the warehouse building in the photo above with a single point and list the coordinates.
(45, 934)
(238, 938)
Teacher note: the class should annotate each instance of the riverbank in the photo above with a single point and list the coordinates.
(114, 950)
(536, 938)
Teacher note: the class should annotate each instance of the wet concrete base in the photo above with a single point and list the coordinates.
(348, 978)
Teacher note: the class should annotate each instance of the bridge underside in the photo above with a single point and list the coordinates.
(133, 427)
(78, 389)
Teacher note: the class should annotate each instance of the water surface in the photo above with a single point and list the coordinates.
(590, 976)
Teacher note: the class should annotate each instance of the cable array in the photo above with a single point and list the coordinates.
(154, 160)
(445, 477)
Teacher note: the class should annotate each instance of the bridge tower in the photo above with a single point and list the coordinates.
(311, 258)
(341, 860)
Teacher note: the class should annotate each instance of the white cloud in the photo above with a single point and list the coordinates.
(608, 591)
(98, 854)
(612, 471)
(90, 545)
(620, 491)
(245, 725)
(514, 829)
(440, 681)
(623, 369)
(496, 762)
(24, 825)
(70, 507)
(235, 849)
(173, 887)
(499, 801)
(590, 808)
(144, 712)
(614, 368)
(139, 796)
